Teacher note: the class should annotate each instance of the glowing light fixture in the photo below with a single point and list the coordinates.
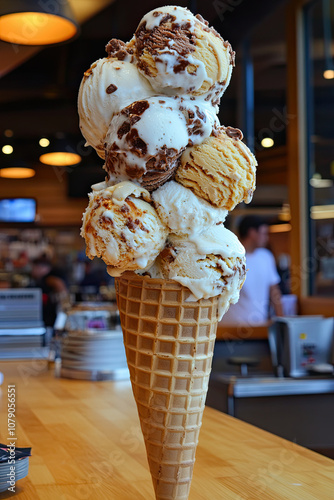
(328, 74)
(44, 142)
(317, 182)
(63, 159)
(28, 22)
(322, 212)
(7, 149)
(280, 228)
(17, 172)
(267, 142)
(8, 133)
(61, 151)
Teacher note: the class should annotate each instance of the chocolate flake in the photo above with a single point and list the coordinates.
(201, 19)
(179, 68)
(137, 108)
(234, 133)
(111, 88)
(123, 129)
(200, 114)
(137, 145)
(117, 49)
(167, 18)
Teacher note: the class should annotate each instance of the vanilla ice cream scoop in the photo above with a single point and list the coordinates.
(212, 263)
(183, 212)
(122, 227)
(180, 54)
(107, 87)
(221, 169)
(146, 139)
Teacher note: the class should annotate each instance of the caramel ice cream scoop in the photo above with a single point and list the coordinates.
(180, 54)
(221, 170)
(121, 227)
(208, 264)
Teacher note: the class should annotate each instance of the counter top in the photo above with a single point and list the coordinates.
(272, 386)
(87, 444)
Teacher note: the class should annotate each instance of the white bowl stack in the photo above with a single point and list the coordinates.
(92, 347)
(21, 471)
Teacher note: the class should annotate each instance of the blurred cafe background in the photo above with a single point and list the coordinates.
(282, 97)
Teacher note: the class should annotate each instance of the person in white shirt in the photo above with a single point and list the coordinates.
(260, 289)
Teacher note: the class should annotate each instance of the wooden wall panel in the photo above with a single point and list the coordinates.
(54, 207)
(272, 166)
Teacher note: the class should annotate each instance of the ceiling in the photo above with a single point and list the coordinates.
(38, 87)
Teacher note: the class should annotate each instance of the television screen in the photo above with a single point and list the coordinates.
(17, 210)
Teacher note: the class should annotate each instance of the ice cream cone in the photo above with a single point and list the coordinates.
(169, 343)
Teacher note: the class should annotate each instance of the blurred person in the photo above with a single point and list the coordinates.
(95, 277)
(53, 285)
(261, 288)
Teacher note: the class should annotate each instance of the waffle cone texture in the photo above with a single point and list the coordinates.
(169, 344)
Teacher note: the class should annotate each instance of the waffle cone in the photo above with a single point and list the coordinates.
(169, 345)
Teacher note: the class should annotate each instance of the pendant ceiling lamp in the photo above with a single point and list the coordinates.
(32, 22)
(16, 170)
(60, 158)
(61, 151)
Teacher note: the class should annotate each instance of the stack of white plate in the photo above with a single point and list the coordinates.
(94, 355)
(21, 470)
(92, 347)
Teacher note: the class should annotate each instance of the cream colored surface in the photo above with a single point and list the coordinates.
(209, 277)
(87, 444)
(96, 107)
(207, 64)
(221, 170)
(183, 212)
(122, 228)
(211, 50)
(209, 264)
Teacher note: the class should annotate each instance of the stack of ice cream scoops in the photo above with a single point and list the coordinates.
(173, 172)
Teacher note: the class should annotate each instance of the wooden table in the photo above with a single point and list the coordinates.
(87, 444)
